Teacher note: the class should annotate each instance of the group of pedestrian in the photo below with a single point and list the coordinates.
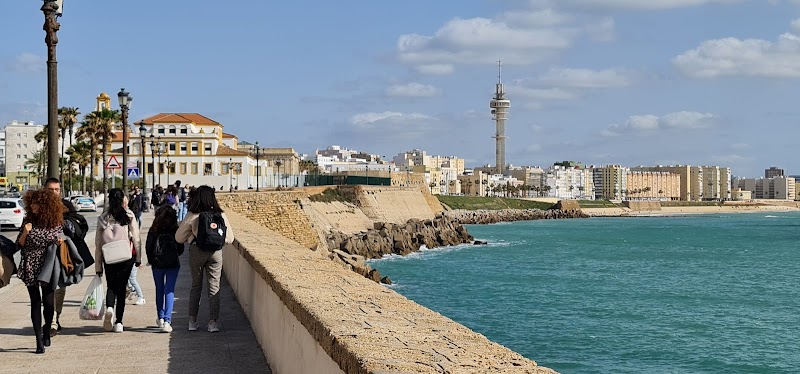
(194, 221)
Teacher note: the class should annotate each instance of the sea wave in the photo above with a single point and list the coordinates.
(424, 252)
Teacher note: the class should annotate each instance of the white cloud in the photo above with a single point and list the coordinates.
(370, 119)
(652, 124)
(27, 63)
(412, 90)
(631, 4)
(748, 57)
(567, 84)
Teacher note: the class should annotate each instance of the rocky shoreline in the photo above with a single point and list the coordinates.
(445, 230)
(470, 217)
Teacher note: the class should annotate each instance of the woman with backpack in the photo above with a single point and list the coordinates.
(163, 254)
(207, 229)
(41, 228)
(117, 251)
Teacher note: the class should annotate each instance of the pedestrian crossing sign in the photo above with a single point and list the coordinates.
(133, 173)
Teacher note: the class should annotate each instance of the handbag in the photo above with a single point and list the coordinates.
(118, 247)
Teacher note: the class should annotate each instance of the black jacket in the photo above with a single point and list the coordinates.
(150, 247)
(75, 228)
(135, 203)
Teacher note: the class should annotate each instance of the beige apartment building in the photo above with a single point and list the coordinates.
(779, 188)
(698, 183)
(653, 185)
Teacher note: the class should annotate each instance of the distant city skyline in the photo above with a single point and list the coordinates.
(699, 82)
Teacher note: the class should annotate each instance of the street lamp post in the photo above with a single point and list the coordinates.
(278, 164)
(125, 101)
(142, 174)
(169, 164)
(230, 174)
(52, 9)
(159, 152)
(153, 157)
(258, 167)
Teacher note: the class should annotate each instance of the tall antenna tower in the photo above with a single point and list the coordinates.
(500, 106)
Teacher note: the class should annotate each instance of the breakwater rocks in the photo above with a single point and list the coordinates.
(387, 238)
(466, 217)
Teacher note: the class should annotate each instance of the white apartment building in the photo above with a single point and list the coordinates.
(779, 188)
(20, 148)
(569, 183)
(3, 154)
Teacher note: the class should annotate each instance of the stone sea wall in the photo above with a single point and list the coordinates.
(509, 215)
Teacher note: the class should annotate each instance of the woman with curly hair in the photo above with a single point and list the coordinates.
(117, 274)
(42, 227)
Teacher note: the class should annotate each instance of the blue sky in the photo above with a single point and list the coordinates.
(632, 82)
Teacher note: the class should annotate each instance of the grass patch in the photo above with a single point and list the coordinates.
(597, 204)
(691, 203)
(329, 195)
(490, 203)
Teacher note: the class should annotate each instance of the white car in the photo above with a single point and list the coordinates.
(12, 211)
(74, 199)
(85, 203)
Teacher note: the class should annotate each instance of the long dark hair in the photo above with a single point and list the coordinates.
(202, 199)
(166, 220)
(115, 206)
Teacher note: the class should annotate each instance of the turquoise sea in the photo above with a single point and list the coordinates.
(685, 294)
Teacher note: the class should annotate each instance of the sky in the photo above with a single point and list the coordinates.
(630, 82)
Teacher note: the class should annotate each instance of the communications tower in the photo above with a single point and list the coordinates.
(500, 105)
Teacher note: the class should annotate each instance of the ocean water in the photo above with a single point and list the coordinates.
(685, 294)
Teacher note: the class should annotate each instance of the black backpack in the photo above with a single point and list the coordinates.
(165, 252)
(183, 195)
(211, 231)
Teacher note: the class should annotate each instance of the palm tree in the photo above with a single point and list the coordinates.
(106, 121)
(67, 117)
(88, 133)
(37, 162)
(432, 185)
(80, 154)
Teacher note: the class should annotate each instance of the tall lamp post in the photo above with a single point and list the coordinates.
(52, 9)
(258, 167)
(153, 158)
(278, 164)
(142, 173)
(159, 152)
(125, 101)
(169, 166)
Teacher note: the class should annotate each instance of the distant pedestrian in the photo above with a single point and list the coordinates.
(155, 199)
(42, 227)
(163, 253)
(116, 217)
(135, 204)
(207, 228)
(182, 195)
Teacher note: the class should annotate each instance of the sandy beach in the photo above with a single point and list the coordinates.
(668, 211)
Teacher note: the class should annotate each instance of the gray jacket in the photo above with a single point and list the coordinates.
(54, 274)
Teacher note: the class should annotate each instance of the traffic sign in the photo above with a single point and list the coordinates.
(113, 163)
(133, 173)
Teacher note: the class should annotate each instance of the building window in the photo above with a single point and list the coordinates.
(19, 156)
(172, 147)
(172, 130)
(194, 148)
(183, 148)
(149, 168)
(161, 130)
(224, 167)
(194, 168)
(207, 167)
(184, 129)
(183, 168)
(208, 148)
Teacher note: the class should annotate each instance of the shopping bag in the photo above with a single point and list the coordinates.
(93, 301)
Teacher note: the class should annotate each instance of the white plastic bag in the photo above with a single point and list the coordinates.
(93, 301)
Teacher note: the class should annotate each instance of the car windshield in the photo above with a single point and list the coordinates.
(7, 205)
(85, 201)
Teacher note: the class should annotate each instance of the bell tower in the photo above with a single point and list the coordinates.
(103, 102)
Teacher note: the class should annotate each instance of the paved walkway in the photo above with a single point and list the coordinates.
(83, 346)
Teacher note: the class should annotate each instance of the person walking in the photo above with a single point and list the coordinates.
(41, 228)
(155, 199)
(135, 204)
(75, 228)
(182, 197)
(207, 229)
(116, 217)
(163, 253)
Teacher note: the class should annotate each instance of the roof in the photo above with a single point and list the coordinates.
(223, 150)
(194, 118)
(227, 136)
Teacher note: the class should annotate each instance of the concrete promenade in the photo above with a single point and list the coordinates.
(83, 346)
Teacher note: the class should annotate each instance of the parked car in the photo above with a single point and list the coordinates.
(12, 211)
(86, 203)
(74, 198)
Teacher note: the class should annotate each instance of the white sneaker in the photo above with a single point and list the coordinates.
(213, 327)
(118, 327)
(107, 324)
(141, 301)
(160, 323)
(167, 327)
(193, 325)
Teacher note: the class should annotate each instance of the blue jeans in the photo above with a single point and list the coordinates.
(133, 283)
(165, 291)
(181, 211)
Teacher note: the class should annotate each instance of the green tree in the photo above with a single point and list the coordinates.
(67, 118)
(80, 154)
(37, 162)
